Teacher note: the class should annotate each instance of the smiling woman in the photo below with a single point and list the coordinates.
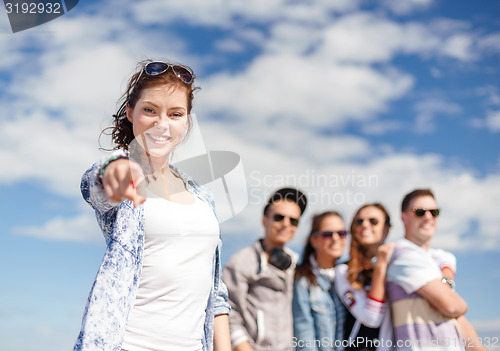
(159, 286)
(152, 75)
(318, 314)
(360, 282)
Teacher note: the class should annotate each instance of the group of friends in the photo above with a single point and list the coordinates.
(397, 295)
(161, 285)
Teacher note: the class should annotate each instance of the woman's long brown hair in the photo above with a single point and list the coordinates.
(121, 131)
(360, 265)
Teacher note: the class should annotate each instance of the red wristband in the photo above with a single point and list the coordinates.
(374, 299)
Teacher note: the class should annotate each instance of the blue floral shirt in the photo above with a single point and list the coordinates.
(115, 286)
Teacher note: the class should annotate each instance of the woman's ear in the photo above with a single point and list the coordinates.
(314, 241)
(385, 232)
(129, 110)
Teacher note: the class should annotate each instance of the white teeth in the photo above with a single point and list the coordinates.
(158, 138)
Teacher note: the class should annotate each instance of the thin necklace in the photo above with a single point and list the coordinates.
(149, 160)
(146, 176)
(165, 184)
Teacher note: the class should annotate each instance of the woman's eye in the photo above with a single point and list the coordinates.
(148, 110)
(177, 115)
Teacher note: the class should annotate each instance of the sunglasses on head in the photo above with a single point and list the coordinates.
(420, 212)
(329, 234)
(157, 67)
(280, 217)
(373, 221)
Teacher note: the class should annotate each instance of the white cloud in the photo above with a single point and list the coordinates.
(8, 45)
(446, 26)
(367, 38)
(476, 123)
(292, 38)
(436, 73)
(306, 91)
(37, 147)
(230, 45)
(301, 146)
(490, 43)
(406, 7)
(494, 97)
(80, 84)
(226, 14)
(460, 47)
(493, 121)
(381, 127)
(251, 35)
(427, 111)
(80, 228)
(4, 23)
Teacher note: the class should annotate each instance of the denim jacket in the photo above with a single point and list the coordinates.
(115, 286)
(318, 315)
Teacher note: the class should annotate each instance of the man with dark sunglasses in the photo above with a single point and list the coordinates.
(259, 279)
(424, 304)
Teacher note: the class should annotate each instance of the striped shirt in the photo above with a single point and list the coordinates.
(417, 326)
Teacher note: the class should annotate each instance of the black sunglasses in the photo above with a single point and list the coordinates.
(328, 234)
(157, 67)
(280, 217)
(420, 212)
(373, 221)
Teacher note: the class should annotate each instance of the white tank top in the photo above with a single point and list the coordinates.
(169, 310)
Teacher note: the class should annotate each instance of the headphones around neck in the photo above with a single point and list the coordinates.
(278, 257)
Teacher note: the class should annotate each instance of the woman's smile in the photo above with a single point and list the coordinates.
(159, 139)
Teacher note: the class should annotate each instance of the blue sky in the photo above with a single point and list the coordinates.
(353, 101)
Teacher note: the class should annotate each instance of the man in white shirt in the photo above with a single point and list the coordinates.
(424, 304)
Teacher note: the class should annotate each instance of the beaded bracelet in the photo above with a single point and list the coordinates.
(111, 159)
